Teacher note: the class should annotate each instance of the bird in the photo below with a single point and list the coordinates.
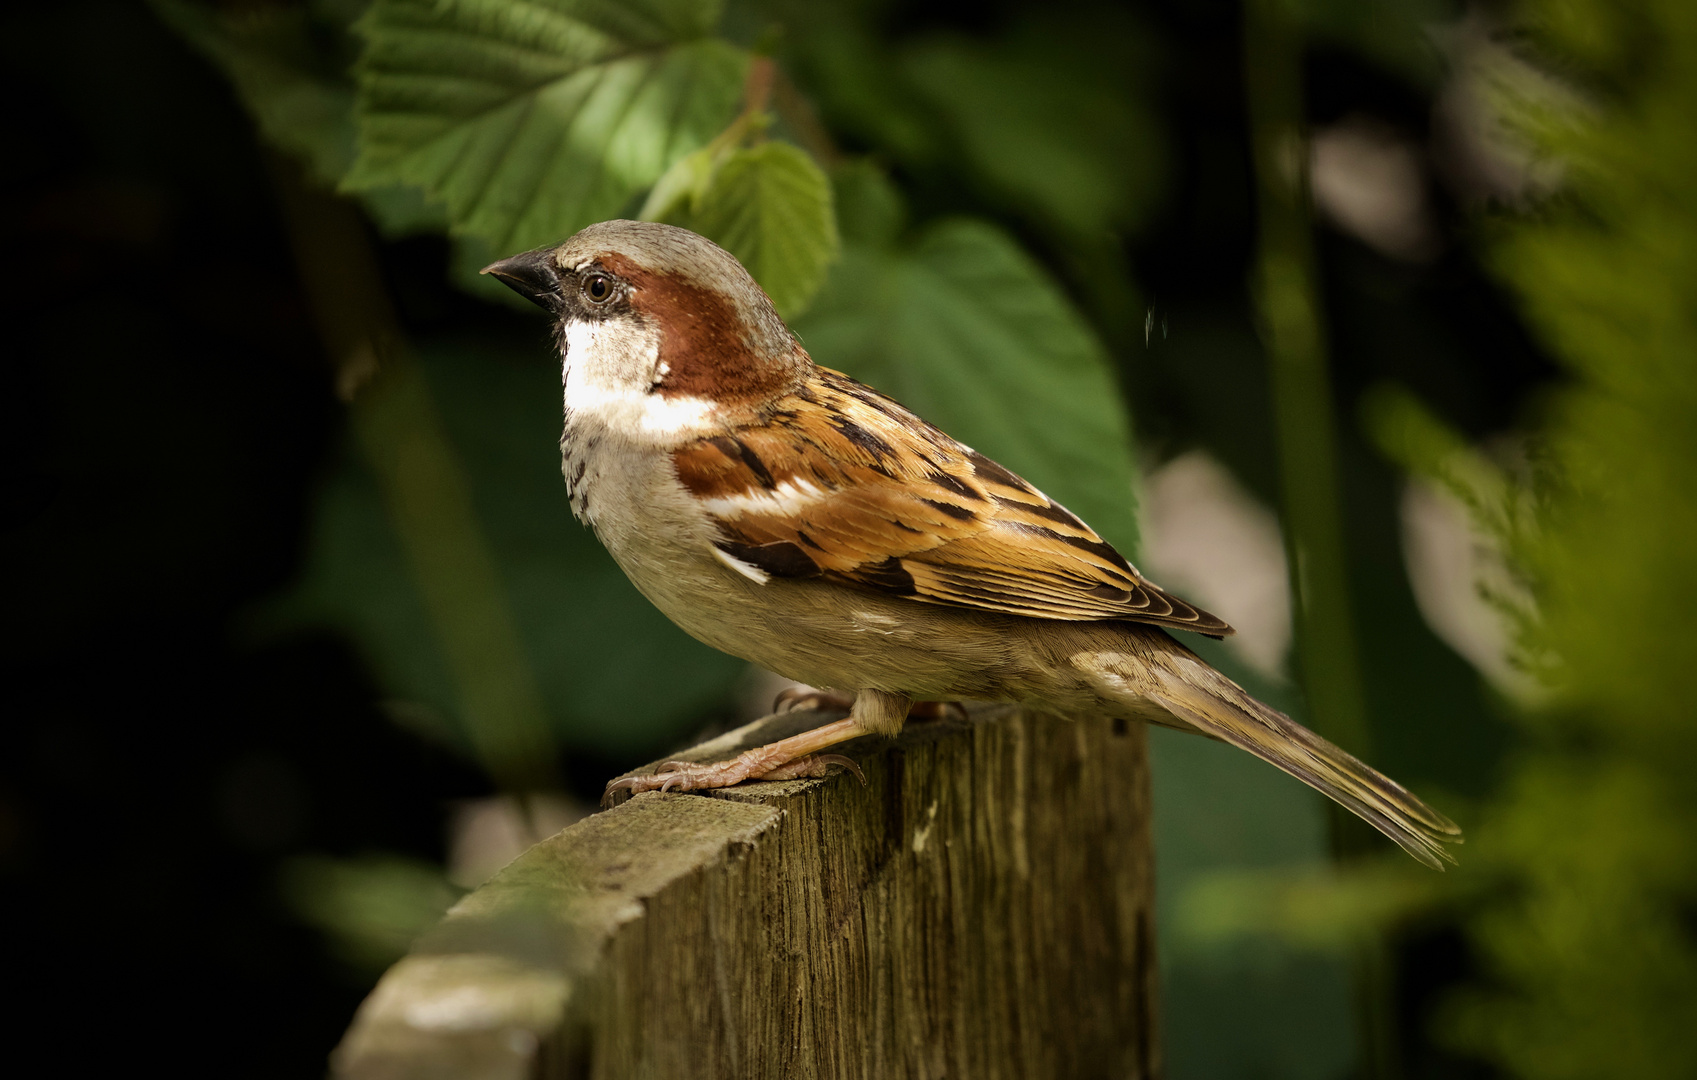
(784, 513)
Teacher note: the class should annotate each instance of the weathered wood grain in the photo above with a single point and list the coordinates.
(982, 908)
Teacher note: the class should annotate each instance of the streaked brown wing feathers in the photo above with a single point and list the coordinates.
(842, 483)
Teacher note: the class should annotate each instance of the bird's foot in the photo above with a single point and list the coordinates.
(757, 764)
(807, 699)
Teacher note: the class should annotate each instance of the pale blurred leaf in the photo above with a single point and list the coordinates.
(1322, 908)
(370, 908)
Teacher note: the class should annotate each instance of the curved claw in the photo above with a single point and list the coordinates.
(627, 784)
(848, 763)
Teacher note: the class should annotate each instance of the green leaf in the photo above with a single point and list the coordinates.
(967, 331)
(770, 206)
(1049, 117)
(869, 209)
(1051, 121)
(530, 119)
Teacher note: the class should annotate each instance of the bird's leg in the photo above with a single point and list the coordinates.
(873, 712)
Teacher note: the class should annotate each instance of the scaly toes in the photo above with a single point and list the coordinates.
(690, 776)
(815, 765)
(683, 776)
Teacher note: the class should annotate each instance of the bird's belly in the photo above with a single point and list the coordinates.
(832, 636)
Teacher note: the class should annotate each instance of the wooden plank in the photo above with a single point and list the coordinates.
(982, 908)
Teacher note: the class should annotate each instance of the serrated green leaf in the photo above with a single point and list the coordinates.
(967, 331)
(770, 206)
(529, 119)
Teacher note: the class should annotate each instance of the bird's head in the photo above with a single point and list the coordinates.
(649, 314)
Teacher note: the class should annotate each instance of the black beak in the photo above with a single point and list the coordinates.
(532, 276)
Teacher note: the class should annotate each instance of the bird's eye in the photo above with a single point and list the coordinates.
(598, 288)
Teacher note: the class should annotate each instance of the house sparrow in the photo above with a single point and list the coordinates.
(786, 514)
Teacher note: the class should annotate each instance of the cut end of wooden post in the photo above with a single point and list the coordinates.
(981, 907)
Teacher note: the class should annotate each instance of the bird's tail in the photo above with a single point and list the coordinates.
(1203, 699)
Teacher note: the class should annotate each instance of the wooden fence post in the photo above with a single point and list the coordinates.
(981, 909)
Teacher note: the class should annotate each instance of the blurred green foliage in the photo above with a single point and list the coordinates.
(1591, 936)
(1582, 884)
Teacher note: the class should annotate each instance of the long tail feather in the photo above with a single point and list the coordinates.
(1214, 705)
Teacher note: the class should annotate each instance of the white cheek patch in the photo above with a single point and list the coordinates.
(752, 573)
(637, 412)
(608, 375)
(789, 498)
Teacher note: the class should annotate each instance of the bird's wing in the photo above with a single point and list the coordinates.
(841, 483)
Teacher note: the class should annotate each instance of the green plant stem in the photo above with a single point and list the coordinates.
(423, 485)
(1289, 309)
(1288, 304)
